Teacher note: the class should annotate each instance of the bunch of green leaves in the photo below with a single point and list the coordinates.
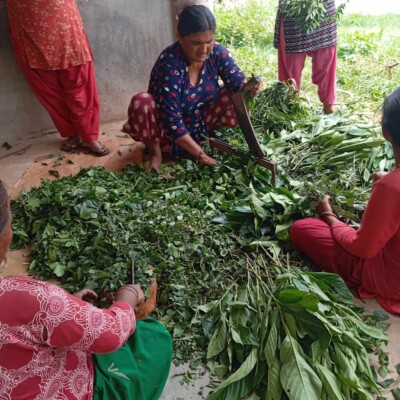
(309, 14)
(278, 107)
(325, 155)
(328, 143)
(284, 333)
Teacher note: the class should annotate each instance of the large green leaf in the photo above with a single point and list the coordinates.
(218, 341)
(297, 300)
(271, 345)
(312, 325)
(274, 387)
(236, 390)
(369, 330)
(335, 284)
(298, 379)
(320, 346)
(330, 383)
(243, 371)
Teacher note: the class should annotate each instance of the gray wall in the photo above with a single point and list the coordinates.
(126, 37)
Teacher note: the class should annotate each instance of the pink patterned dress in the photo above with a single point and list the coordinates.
(47, 336)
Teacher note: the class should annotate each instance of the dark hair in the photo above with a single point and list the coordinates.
(391, 116)
(4, 207)
(195, 19)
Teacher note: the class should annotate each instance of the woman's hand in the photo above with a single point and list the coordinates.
(86, 295)
(377, 175)
(253, 92)
(131, 294)
(324, 206)
(188, 144)
(204, 159)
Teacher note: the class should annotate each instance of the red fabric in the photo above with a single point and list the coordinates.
(367, 258)
(143, 122)
(47, 337)
(291, 65)
(69, 96)
(48, 34)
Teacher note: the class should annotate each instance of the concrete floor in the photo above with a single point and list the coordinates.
(30, 159)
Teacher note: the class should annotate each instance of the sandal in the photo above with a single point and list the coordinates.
(97, 149)
(73, 143)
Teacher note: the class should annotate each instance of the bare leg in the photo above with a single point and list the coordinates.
(329, 109)
(138, 153)
(155, 156)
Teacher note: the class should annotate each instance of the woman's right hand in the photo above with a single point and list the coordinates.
(204, 159)
(131, 294)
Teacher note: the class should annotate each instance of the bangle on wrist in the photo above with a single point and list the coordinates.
(328, 213)
(130, 289)
(201, 153)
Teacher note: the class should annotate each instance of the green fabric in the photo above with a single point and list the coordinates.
(139, 369)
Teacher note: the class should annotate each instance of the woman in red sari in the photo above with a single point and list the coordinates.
(367, 258)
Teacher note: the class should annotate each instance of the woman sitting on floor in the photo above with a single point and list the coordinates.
(367, 258)
(53, 344)
(185, 102)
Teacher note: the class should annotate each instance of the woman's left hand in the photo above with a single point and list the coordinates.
(324, 206)
(86, 295)
(255, 90)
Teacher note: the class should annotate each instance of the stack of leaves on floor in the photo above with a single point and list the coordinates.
(284, 333)
(195, 228)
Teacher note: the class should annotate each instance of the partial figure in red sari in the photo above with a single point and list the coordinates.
(367, 258)
(52, 49)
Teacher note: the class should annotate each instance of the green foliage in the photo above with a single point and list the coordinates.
(199, 230)
(359, 43)
(278, 106)
(309, 14)
(247, 26)
(193, 229)
(288, 334)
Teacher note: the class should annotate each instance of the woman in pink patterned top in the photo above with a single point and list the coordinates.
(52, 49)
(53, 344)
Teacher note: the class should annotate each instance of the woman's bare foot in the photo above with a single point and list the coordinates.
(329, 109)
(138, 153)
(154, 164)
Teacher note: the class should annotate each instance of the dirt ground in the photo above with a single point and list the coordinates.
(30, 159)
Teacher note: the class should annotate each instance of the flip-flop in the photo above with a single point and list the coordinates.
(94, 147)
(73, 143)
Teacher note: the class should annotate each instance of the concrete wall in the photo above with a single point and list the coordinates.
(126, 37)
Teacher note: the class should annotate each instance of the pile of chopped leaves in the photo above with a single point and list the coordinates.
(272, 328)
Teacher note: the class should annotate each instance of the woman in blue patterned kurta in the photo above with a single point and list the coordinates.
(185, 101)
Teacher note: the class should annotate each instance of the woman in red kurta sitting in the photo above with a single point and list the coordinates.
(53, 344)
(367, 258)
